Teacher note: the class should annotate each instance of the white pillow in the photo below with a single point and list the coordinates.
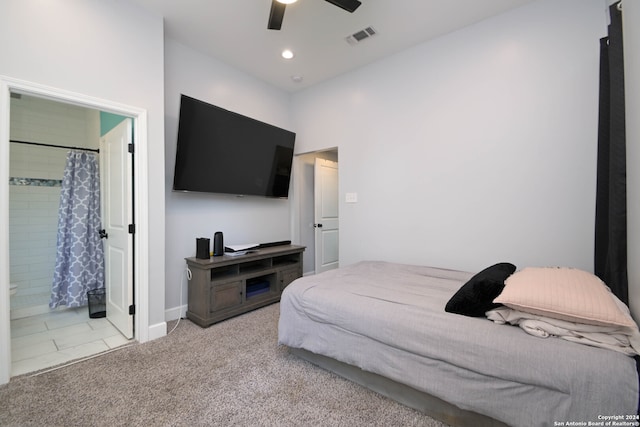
(563, 293)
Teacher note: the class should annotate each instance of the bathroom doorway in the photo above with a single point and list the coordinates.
(8, 86)
(140, 208)
(42, 132)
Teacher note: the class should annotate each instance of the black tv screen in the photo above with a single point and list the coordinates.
(220, 151)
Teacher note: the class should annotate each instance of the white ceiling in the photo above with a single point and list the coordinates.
(235, 32)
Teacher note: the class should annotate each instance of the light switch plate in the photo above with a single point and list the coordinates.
(351, 198)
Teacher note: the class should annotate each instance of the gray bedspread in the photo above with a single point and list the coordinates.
(389, 319)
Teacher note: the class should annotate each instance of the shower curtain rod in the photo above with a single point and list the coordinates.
(41, 144)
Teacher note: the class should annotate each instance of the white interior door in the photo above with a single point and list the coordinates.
(326, 214)
(115, 168)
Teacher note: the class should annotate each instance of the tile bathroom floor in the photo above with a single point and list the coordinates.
(46, 340)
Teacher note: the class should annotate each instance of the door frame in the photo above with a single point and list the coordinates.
(140, 203)
(302, 200)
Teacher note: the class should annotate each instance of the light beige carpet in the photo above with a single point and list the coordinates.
(230, 374)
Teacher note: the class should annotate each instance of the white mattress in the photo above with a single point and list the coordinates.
(389, 319)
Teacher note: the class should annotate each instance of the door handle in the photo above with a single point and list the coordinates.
(103, 234)
(317, 225)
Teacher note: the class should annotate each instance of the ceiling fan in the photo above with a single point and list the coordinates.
(278, 6)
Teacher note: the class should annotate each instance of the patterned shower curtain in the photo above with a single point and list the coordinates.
(80, 255)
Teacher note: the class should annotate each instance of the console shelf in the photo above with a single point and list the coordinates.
(225, 286)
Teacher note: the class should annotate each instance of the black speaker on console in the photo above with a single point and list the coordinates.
(218, 244)
(202, 248)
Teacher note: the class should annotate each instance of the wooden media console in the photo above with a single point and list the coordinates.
(225, 286)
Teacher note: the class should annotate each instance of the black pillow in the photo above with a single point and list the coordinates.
(476, 296)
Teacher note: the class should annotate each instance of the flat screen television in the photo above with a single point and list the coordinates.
(220, 151)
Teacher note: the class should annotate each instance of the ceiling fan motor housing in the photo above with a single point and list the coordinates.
(276, 15)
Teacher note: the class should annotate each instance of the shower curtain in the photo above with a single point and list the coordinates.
(80, 255)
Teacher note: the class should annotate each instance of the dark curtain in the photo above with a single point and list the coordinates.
(611, 199)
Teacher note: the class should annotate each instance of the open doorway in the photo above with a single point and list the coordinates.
(53, 144)
(307, 226)
(139, 235)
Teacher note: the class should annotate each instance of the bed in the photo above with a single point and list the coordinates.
(384, 325)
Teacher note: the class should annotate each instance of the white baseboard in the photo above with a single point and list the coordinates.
(158, 330)
(175, 313)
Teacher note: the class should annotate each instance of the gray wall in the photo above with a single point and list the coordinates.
(247, 219)
(483, 149)
(110, 50)
(474, 148)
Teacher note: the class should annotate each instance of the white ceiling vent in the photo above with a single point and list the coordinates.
(361, 35)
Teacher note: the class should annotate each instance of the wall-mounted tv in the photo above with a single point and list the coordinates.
(220, 151)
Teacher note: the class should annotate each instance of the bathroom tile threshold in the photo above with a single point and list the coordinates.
(61, 336)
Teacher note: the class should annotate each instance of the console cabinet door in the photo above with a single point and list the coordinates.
(226, 295)
(289, 275)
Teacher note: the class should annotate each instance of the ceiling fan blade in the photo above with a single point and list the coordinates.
(348, 5)
(276, 15)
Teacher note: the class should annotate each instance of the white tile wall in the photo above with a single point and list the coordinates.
(33, 210)
(41, 120)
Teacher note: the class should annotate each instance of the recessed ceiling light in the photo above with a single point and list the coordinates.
(287, 1)
(287, 54)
